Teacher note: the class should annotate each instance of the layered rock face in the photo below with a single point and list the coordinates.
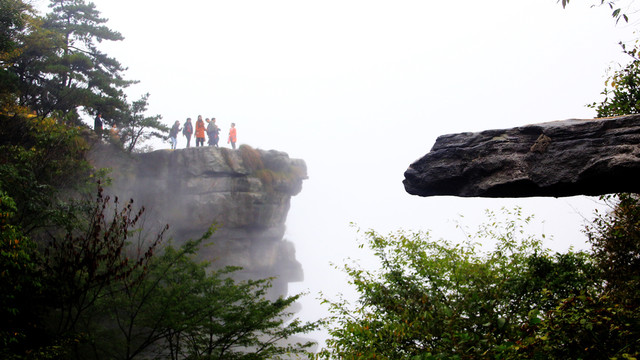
(191, 189)
(559, 158)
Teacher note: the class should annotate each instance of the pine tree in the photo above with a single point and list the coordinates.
(62, 69)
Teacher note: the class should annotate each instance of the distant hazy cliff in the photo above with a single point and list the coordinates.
(246, 192)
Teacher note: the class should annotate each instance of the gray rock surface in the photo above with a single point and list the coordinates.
(191, 189)
(558, 158)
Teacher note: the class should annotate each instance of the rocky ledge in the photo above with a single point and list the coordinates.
(245, 192)
(559, 158)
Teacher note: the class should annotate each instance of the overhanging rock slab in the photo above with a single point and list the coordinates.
(558, 158)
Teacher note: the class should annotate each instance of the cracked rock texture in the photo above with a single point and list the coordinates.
(558, 158)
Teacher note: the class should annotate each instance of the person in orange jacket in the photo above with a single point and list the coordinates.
(232, 136)
(200, 129)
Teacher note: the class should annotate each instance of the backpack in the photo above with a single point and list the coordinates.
(188, 129)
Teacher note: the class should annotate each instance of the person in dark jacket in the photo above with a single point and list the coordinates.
(187, 131)
(214, 132)
(173, 134)
(97, 124)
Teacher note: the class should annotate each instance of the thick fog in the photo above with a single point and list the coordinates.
(360, 89)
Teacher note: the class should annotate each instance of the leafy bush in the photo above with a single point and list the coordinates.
(439, 300)
(39, 158)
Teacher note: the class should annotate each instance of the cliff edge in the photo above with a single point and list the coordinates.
(245, 192)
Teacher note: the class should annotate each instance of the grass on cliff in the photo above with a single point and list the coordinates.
(252, 160)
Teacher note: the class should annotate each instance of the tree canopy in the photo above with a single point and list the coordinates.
(52, 65)
(440, 300)
(622, 87)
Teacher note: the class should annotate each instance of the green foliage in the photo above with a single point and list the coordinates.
(81, 265)
(135, 127)
(38, 159)
(177, 308)
(583, 327)
(79, 73)
(615, 241)
(14, 19)
(53, 66)
(213, 316)
(57, 67)
(271, 179)
(13, 15)
(438, 300)
(622, 88)
(100, 292)
(19, 283)
(616, 11)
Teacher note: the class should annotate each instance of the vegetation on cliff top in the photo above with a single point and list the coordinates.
(272, 178)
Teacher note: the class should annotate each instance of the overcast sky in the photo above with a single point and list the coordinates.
(359, 89)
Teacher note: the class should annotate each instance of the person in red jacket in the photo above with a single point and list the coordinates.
(200, 129)
(232, 136)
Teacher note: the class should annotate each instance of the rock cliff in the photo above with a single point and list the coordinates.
(559, 158)
(246, 192)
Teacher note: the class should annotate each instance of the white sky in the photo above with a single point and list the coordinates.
(360, 89)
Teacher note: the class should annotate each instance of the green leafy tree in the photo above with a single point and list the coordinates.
(51, 288)
(78, 74)
(56, 67)
(20, 284)
(53, 66)
(615, 241)
(99, 292)
(39, 160)
(15, 16)
(183, 309)
(605, 323)
(622, 88)
(435, 299)
(583, 326)
(136, 127)
(13, 20)
(80, 266)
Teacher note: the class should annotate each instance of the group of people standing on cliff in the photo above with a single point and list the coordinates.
(211, 129)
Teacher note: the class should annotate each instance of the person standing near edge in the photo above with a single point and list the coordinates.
(232, 136)
(200, 129)
(212, 131)
(97, 124)
(173, 134)
(114, 133)
(187, 131)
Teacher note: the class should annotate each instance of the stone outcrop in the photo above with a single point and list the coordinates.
(559, 158)
(245, 192)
